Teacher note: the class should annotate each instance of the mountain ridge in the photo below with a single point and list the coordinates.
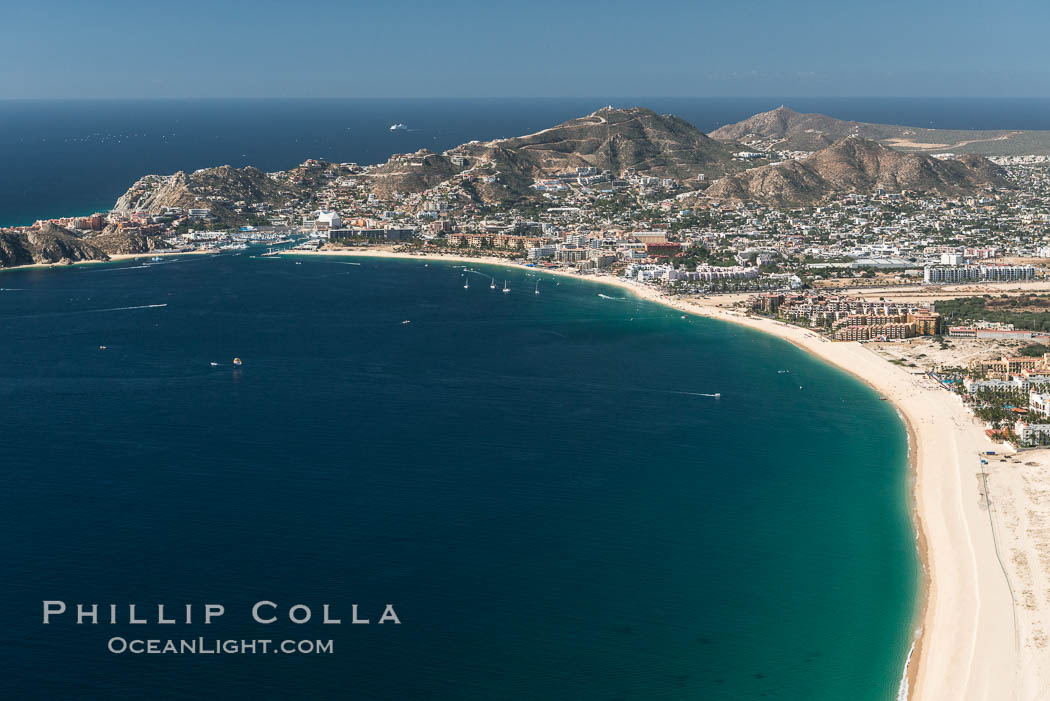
(857, 165)
(784, 129)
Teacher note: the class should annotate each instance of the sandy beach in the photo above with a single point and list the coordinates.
(972, 641)
(114, 258)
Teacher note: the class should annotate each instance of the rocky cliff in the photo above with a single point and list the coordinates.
(51, 244)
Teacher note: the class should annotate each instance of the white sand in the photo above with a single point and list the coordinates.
(113, 258)
(971, 647)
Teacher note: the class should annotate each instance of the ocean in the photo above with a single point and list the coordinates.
(65, 158)
(541, 485)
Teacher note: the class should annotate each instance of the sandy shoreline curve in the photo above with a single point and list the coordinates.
(966, 646)
(113, 258)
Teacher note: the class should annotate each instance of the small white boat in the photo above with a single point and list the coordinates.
(399, 127)
(466, 285)
(214, 364)
(492, 285)
(505, 288)
(407, 321)
(537, 287)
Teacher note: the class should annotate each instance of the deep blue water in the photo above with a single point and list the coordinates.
(534, 481)
(64, 158)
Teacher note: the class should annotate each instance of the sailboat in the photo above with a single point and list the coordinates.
(492, 285)
(466, 285)
(505, 288)
(537, 287)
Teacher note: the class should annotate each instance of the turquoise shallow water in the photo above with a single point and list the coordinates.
(535, 481)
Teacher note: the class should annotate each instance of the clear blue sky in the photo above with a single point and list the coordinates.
(488, 48)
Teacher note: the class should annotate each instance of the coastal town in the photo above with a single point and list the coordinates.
(924, 275)
(877, 267)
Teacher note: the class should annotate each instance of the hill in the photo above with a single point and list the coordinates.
(114, 242)
(614, 140)
(217, 189)
(49, 244)
(856, 165)
(785, 129)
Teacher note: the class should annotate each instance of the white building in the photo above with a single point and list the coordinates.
(948, 274)
(1029, 434)
(328, 220)
(942, 274)
(1007, 272)
(974, 386)
(546, 251)
(1039, 403)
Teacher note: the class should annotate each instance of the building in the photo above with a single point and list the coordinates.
(769, 302)
(943, 274)
(650, 236)
(502, 241)
(389, 234)
(1031, 434)
(1002, 273)
(1039, 403)
(326, 221)
(973, 386)
(997, 334)
(949, 274)
(1009, 366)
(870, 319)
(888, 332)
(544, 251)
(926, 323)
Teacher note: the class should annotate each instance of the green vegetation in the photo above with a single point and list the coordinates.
(995, 405)
(701, 255)
(1028, 311)
(1036, 350)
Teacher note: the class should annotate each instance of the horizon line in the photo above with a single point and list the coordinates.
(527, 97)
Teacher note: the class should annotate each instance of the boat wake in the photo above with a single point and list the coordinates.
(120, 268)
(618, 299)
(124, 309)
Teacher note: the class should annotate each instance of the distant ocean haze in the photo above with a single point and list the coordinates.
(66, 158)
